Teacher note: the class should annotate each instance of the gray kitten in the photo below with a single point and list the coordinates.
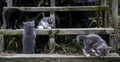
(46, 23)
(29, 35)
(95, 43)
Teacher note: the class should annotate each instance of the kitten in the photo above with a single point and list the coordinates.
(12, 16)
(46, 23)
(95, 43)
(29, 35)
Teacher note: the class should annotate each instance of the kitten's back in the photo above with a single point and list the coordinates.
(29, 35)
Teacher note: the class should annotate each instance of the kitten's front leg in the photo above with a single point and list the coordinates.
(96, 53)
(93, 50)
(85, 53)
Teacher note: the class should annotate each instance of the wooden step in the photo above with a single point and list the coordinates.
(65, 8)
(54, 58)
(57, 31)
(52, 32)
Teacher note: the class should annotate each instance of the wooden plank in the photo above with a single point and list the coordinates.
(115, 20)
(52, 37)
(55, 58)
(1, 43)
(106, 18)
(66, 31)
(52, 13)
(65, 8)
(52, 3)
(9, 3)
(113, 42)
(105, 2)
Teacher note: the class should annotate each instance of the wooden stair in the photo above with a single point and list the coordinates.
(57, 57)
(63, 31)
(64, 8)
(54, 58)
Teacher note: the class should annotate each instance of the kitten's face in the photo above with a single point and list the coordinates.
(50, 20)
(103, 51)
(29, 24)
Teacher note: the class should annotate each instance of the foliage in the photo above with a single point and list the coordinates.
(67, 44)
(13, 44)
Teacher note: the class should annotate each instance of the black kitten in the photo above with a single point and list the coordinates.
(12, 16)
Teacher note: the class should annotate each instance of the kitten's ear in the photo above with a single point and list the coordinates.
(23, 23)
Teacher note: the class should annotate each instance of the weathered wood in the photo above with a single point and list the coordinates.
(65, 8)
(52, 43)
(115, 20)
(106, 19)
(1, 43)
(105, 2)
(66, 31)
(52, 37)
(55, 58)
(9, 3)
(52, 13)
(113, 42)
(52, 3)
(4, 22)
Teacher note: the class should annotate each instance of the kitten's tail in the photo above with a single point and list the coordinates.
(79, 37)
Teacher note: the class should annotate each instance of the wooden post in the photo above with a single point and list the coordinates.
(52, 43)
(106, 19)
(53, 12)
(110, 19)
(1, 43)
(52, 36)
(105, 14)
(115, 20)
(9, 3)
(105, 2)
(4, 22)
(112, 41)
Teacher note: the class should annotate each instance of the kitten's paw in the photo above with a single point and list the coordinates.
(48, 27)
(97, 55)
(40, 27)
(87, 55)
(93, 50)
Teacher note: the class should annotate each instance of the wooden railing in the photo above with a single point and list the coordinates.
(65, 8)
(74, 31)
(67, 31)
(52, 32)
